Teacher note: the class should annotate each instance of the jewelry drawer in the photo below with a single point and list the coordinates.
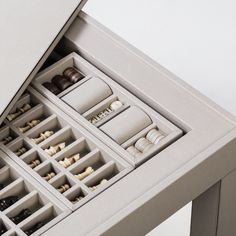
(131, 128)
(26, 207)
(67, 160)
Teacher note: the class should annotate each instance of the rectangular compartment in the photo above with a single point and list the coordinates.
(23, 106)
(63, 183)
(39, 220)
(63, 138)
(101, 113)
(48, 171)
(76, 196)
(19, 147)
(78, 150)
(112, 118)
(51, 124)
(6, 177)
(32, 204)
(33, 159)
(24, 124)
(100, 179)
(7, 135)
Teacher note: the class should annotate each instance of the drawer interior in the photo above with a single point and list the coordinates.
(58, 152)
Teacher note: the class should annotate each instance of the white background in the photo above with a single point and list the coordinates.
(196, 40)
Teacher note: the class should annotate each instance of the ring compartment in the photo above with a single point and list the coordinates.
(106, 128)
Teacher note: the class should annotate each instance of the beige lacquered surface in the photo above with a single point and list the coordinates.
(25, 37)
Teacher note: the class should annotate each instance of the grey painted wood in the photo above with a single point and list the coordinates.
(214, 211)
(205, 211)
(227, 206)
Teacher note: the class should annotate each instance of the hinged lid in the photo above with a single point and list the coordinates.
(29, 31)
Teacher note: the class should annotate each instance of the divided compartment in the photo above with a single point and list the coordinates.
(101, 107)
(17, 190)
(20, 104)
(63, 183)
(44, 216)
(46, 170)
(59, 71)
(65, 136)
(81, 147)
(36, 113)
(19, 147)
(108, 130)
(101, 178)
(77, 195)
(51, 124)
(95, 159)
(33, 203)
(7, 176)
(7, 135)
(33, 156)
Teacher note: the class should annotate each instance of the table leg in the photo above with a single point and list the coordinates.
(214, 211)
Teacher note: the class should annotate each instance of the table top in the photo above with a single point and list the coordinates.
(194, 40)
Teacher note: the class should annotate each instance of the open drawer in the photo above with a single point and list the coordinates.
(109, 111)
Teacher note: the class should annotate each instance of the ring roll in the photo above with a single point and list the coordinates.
(87, 95)
(126, 124)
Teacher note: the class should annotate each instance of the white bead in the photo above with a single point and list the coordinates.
(143, 144)
(133, 151)
(116, 105)
(154, 136)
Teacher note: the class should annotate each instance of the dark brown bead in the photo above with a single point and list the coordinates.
(61, 82)
(73, 75)
(52, 87)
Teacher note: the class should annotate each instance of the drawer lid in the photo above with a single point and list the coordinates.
(29, 32)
